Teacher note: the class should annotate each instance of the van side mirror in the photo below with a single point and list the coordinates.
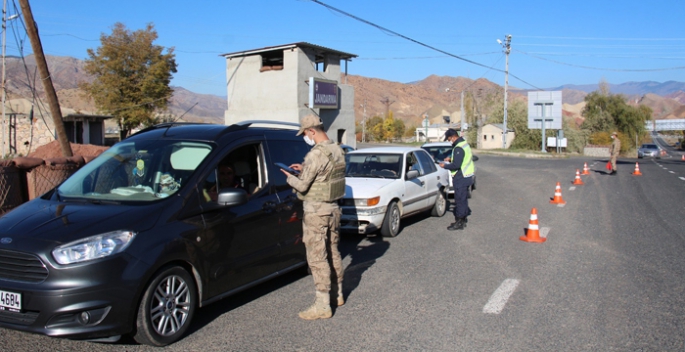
(231, 196)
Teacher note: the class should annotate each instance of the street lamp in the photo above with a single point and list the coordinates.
(461, 113)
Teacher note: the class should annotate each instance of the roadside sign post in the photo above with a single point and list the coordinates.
(543, 120)
(544, 112)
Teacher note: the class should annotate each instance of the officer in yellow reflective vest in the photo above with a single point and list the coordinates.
(461, 167)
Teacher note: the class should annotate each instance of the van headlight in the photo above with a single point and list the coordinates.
(93, 247)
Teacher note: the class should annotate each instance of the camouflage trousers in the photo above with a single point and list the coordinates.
(613, 162)
(321, 235)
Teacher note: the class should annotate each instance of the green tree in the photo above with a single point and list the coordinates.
(517, 120)
(399, 129)
(374, 128)
(131, 76)
(605, 112)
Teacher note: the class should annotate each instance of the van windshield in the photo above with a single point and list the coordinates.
(136, 171)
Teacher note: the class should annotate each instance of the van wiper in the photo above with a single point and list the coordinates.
(92, 201)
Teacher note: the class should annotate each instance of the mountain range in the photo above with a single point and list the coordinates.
(435, 96)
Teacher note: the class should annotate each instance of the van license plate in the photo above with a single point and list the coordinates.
(10, 301)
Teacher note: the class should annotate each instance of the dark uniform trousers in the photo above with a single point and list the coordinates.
(461, 191)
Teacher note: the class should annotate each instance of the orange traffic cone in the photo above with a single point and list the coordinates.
(557, 195)
(533, 232)
(577, 180)
(682, 157)
(637, 170)
(586, 171)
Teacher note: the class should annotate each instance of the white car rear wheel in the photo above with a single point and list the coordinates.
(440, 206)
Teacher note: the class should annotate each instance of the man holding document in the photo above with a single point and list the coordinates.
(320, 183)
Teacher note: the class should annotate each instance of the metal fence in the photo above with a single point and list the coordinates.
(13, 190)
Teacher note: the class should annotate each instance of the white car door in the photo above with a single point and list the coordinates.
(431, 176)
(415, 189)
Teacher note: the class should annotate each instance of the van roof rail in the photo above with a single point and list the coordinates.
(247, 123)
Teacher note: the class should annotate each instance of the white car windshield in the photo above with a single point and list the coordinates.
(136, 171)
(373, 165)
(439, 153)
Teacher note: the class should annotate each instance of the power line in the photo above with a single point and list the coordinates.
(421, 57)
(604, 68)
(600, 38)
(383, 29)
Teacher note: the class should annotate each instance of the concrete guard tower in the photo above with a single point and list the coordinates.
(288, 82)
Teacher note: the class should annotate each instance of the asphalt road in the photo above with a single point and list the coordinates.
(609, 277)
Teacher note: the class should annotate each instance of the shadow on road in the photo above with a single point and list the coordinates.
(363, 257)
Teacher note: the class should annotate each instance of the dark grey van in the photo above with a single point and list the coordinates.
(139, 238)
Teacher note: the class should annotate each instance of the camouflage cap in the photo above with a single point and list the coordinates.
(309, 121)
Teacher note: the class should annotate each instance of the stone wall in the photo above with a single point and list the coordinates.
(22, 136)
(596, 151)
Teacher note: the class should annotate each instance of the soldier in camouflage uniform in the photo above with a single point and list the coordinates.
(320, 184)
(615, 149)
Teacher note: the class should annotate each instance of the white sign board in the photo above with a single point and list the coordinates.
(552, 142)
(544, 105)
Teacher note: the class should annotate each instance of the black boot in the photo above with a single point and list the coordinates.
(457, 225)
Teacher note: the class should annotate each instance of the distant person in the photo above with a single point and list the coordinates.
(615, 149)
(320, 184)
(461, 167)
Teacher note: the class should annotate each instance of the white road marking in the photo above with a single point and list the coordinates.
(500, 297)
(544, 231)
(561, 205)
(572, 188)
(672, 172)
(682, 178)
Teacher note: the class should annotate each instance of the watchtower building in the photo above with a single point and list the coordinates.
(288, 82)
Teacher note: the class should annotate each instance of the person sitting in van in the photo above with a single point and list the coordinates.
(226, 179)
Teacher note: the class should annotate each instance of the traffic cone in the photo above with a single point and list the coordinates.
(533, 232)
(637, 170)
(577, 180)
(557, 195)
(682, 157)
(586, 171)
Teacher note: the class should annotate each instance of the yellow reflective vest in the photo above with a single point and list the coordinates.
(467, 168)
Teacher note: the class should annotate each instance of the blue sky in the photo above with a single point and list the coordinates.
(553, 42)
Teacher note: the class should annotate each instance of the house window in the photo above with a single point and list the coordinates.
(321, 63)
(485, 138)
(492, 137)
(272, 61)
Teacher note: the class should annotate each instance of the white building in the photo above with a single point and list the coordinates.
(434, 132)
(490, 136)
(273, 83)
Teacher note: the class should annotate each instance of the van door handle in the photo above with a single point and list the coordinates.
(269, 206)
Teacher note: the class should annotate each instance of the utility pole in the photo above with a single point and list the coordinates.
(51, 95)
(4, 89)
(507, 49)
(387, 104)
(364, 123)
(463, 118)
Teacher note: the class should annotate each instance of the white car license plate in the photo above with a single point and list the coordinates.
(10, 301)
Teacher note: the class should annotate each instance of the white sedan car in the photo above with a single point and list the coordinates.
(385, 184)
(439, 151)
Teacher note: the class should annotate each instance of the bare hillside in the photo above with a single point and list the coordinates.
(435, 96)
